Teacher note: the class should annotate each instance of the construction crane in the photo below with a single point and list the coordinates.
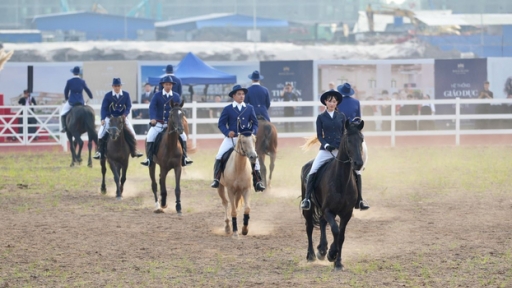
(64, 6)
(135, 9)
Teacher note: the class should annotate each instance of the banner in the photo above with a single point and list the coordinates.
(298, 73)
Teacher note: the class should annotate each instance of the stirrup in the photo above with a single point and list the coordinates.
(97, 156)
(259, 187)
(305, 204)
(146, 163)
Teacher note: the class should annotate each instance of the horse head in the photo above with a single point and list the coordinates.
(353, 142)
(175, 124)
(116, 126)
(246, 146)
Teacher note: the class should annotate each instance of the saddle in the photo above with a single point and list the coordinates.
(156, 144)
(224, 159)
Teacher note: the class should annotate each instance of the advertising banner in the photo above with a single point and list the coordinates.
(297, 73)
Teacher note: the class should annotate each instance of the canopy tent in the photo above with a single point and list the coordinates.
(193, 71)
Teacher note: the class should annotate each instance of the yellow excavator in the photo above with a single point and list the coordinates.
(4, 57)
(396, 12)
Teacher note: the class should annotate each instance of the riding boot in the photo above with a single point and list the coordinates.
(256, 179)
(149, 153)
(133, 150)
(216, 174)
(63, 121)
(102, 147)
(360, 203)
(310, 181)
(185, 160)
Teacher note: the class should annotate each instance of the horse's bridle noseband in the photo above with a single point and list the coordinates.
(242, 153)
(174, 126)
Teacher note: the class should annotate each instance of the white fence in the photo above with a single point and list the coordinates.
(45, 122)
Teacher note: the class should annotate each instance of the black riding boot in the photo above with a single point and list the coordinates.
(63, 121)
(185, 160)
(149, 153)
(216, 174)
(102, 147)
(306, 203)
(360, 204)
(257, 180)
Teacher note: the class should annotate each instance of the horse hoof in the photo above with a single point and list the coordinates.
(245, 230)
(227, 229)
(179, 213)
(72, 164)
(119, 198)
(338, 268)
(163, 207)
(159, 210)
(103, 191)
(235, 235)
(330, 257)
(89, 165)
(320, 256)
(310, 257)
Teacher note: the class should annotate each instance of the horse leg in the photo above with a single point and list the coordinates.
(71, 148)
(331, 219)
(233, 202)
(224, 199)
(271, 167)
(89, 146)
(322, 246)
(163, 188)
(263, 169)
(309, 231)
(338, 266)
(115, 172)
(154, 186)
(247, 211)
(80, 146)
(177, 189)
(103, 171)
(124, 169)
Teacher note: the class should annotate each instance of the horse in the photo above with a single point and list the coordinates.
(266, 144)
(335, 195)
(117, 154)
(237, 180)
(169, 157)
(78, 121)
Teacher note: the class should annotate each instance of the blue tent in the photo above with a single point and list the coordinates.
(193, 71)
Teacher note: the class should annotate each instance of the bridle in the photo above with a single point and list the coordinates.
(241, 151)
(345, 140)
(175, 127)
(115, 128)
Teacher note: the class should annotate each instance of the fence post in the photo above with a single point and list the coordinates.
(25, 124)
(63, 136)
(457, 121)
(393, 122)
(194, 124)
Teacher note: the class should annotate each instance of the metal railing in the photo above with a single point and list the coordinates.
(47, 121)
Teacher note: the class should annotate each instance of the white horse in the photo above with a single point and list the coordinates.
(237, 179)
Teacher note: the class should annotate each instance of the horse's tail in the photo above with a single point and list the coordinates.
(89, 126)
(190, 150)
(312, 140)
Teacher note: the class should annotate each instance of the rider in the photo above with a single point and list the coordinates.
(176, 88)
(329, 129)
(159, 109)
(73, 95)
(237, 117)
(258, 96)
(351, 107)
(115, 103)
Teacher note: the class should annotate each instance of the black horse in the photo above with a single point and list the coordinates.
(335, 194)
(79, 121)
(117, 154)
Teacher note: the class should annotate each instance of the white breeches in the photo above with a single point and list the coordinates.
(104, 128)
(324, 155)
(65, 109)
(227, 144)
(159, 127)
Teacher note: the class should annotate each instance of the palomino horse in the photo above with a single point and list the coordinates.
(78, 121)
(117, 154)
(335, 195)
(266, 144)
(169, 157)
(237, 180)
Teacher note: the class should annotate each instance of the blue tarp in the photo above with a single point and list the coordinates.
(193, 71)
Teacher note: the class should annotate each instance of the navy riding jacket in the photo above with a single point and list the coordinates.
(116, 105)
(232, 119)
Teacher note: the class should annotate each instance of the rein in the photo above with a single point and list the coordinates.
(349, 160)
(243, 153)
(175, 128)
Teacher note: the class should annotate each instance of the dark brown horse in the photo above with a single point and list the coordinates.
(168, 157)
(79, 121)
(266, 144)
(335, 194)
(117, 154)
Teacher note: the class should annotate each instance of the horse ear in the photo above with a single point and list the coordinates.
(182, 102)
(361, 125)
